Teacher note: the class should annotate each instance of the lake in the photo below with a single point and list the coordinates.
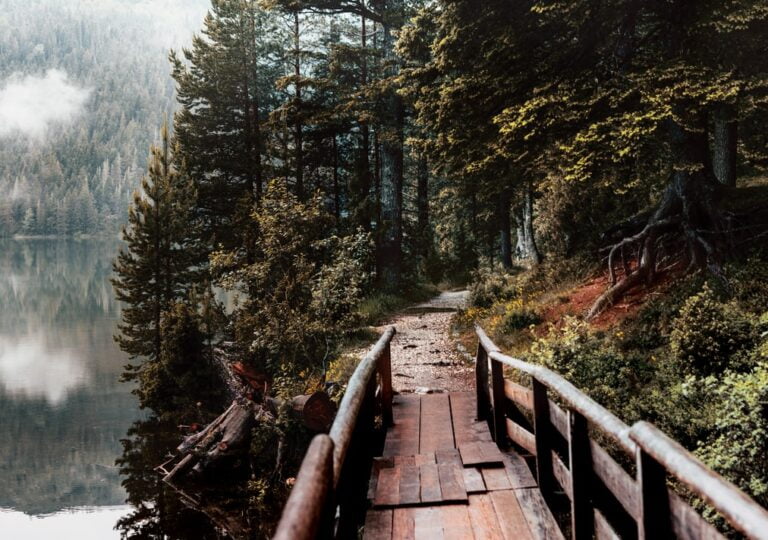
(63, 410)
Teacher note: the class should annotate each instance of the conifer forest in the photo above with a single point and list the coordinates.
(244, 194)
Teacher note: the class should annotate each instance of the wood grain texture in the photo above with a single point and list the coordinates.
(540, 520)
(430, 483)
(403, 438)
(451, 482)
(378, 525)
(520, 475)
(388, 488)
(436, 431)
(482, 516)
(481, 453)
(403, 526)
(410, 492)
(512, 522)
(456, 524)
(473, 480)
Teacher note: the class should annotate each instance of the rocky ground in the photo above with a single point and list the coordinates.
(424, 354)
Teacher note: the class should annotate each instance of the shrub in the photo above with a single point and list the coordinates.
(749, 285)
(595, 365)
(489, 287)
(708, 335)
(518, 316)
(738, 448)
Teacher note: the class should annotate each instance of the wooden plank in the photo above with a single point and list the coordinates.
(466, 427)
(422, 459)
(403, 526)
(388, 487)
(495, 478)
(521, 436)
(451, 482)
(473, 480)
(378, 464)
(378, 525)
(519, 394)
(482, 516)
(510, 516)
(562, 475)
(410, 492)
(471, 454)
(540, 520)
(687, 524)
(580, 476)
(405, 460)
(603, 529)
(542, 431)
(428, 523)
(448, 456)
(518, 472)
(455, 520)
(616, 479)
(559, 419)
(436, 431)
(499, 403)
(403, 437)
(481, 453)
(429, 483)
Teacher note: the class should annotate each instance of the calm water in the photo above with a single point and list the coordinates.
(62, 409)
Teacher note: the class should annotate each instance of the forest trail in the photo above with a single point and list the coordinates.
(424, 354)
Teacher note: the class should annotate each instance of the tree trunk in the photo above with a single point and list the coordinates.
(688, 211)
(392, 163)
(526, 248)
(505, 229)
(422, 195)
(336, 186)
(725, 140)
(298, 127)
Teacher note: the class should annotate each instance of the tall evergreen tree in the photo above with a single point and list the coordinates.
(161, 259)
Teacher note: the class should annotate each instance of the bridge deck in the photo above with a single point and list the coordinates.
(441, 476)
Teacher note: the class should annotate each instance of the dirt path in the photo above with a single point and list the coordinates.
(424, 356)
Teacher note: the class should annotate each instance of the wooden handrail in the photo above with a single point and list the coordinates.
(344, 424)
(742, 513)
(572, 396)
(323, 504)
(650, 509)
(302, 517)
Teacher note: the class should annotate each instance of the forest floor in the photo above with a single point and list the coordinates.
(425, 357)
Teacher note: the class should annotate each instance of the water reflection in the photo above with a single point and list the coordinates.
(62, 409)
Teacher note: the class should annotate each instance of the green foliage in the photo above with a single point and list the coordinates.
(489, 287)
(708, 335)
(518, 316)
(596, 364)
(158, 265)
(300, 287)
(738, 448)
(183, 383)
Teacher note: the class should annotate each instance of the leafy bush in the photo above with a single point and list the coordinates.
(708, 335)
(489, 287)
(738, 448)
(749, 285)
(595, 365)
(300, 285)
(518, 316)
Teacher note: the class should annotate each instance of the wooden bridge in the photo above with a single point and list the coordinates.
(511, 461)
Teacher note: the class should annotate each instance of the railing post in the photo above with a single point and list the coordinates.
(481, 381)
(499, 404)
(580, 465)
(655, 516)
(542, 432)
(385, 371)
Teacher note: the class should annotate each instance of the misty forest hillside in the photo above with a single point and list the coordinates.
(99, 77)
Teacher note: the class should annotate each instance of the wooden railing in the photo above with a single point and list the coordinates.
(329, 497)
(606, 499)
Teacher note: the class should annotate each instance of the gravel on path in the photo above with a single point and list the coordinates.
(424, 355)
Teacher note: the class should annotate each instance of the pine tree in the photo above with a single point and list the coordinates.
(161, 259)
